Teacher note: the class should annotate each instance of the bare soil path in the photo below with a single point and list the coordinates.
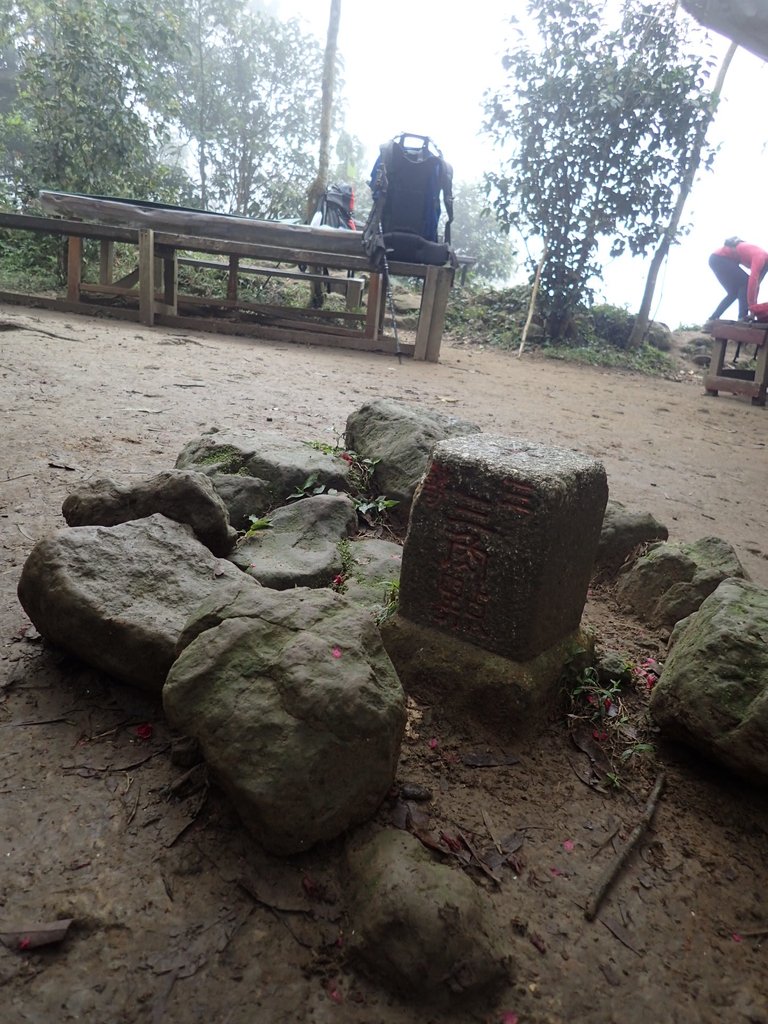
(178, 916)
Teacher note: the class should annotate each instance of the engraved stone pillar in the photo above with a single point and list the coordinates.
(501, 543)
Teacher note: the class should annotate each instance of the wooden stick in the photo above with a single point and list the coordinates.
(609, 876)
(532, 304)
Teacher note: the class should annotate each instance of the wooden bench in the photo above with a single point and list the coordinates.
(150, 293)
(753, 383)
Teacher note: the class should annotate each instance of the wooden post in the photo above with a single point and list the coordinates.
(234, 265)
(354, 293)
(434, 299)
(74, 267)
(374, 308)
(170, 283)
(146, 276)
(106, 261)
(761, 375)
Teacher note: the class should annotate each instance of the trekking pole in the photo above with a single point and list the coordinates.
(390, 298)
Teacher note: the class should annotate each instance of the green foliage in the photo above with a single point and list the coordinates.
(489, 316)
(476, 232)
(79, 115)
(310, 488)
(249, 102)
(612, 324)
(391, 601)
(257, 524)
(597, 124)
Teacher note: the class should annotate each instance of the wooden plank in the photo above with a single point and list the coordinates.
(731, 330)
(384, 344)
(272, 333)
(76, 228)
(74, 268)
(146, 276)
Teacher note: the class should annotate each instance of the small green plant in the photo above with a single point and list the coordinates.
(310, 488)
(391, 601)
(324, 447)
(257, 524)
(596, 700)
(372, 509)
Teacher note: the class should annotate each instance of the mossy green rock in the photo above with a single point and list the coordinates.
(296, 707)
(510, 697)
(713, 690)
(671, 580)
(422, 928)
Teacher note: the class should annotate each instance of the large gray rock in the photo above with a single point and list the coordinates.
(422, 928)
(181, 495)
(282, 465)
(243, 496)
(671, 580)
(118, 597)
(713, 689)
(296, 707)
(401, 437)
(622, 533)
(300, 548)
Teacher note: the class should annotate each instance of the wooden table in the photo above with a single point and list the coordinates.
(753, 383)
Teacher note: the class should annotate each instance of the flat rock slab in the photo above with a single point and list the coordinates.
(118, 597)
(283, 465)
(296, 707)
(502, 542)
(300, 548)
(375, 569)
(713, 689)
(181, 495)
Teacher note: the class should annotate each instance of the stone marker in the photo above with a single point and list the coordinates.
(502, 542)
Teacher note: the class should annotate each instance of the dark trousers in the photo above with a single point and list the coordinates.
(734, 280)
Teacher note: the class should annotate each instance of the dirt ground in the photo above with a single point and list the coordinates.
(178, 916)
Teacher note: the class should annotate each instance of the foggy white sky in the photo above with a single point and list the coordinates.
(422, 66)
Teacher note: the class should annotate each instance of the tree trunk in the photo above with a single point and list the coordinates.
(642, 319)
(320, 183)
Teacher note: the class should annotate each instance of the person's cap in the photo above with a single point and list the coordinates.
(733, 241)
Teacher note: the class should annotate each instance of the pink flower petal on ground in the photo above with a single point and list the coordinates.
(568, 845)
(432, 743)
(509, 1018)
(555, 872)
(336, 652)
(736, 937)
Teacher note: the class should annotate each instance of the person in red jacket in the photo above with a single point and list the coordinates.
(727, 263)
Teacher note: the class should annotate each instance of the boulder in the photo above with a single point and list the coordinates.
(282, 465)
(622, 533)
(422, 928)
(243, 496)
(300, 548)
(400, 438)
(181, 495)
(118, 597)
(713, 689)
(296, 708)
(671, 580)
